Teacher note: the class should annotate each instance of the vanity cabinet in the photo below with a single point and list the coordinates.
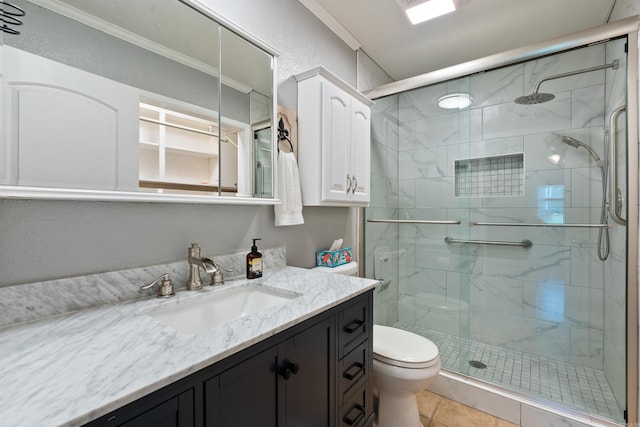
(290, 383)
(316, 373)
(334, 141)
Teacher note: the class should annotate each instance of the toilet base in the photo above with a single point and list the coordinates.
(397, 410)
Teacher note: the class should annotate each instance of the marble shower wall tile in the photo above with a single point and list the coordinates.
(497, 294)
(415, 281)
(525, 334)
(539, 263)
(389, 137)
(497, 87)
(423, 163)
(586, 103)
(384, 122)
(511, 119)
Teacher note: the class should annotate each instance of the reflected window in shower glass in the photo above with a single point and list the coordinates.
(551, 204)
(550, 302)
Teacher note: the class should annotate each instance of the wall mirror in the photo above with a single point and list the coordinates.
(151, 100)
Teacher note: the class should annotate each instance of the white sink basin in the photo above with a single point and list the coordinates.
(198, 314)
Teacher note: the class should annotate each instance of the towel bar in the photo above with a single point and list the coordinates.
(526, 244)
(521, 224)
(414, 221)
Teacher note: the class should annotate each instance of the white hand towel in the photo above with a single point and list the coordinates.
(290, 211)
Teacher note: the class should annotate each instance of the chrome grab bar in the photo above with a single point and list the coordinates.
(615, 206)
(414, 221)
(521, 224)
(526, 244)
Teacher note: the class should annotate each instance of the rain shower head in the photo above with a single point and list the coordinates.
(575, 143)
(538, 98)
(534, 98)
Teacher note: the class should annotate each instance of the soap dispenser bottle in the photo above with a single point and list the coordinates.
(254, 262)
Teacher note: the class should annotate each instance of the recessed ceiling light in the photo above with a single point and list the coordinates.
(422, 10)
(454, 100)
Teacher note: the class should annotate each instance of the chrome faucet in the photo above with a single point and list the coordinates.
(194, 282)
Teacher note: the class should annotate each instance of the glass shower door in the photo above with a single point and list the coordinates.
(527, 292)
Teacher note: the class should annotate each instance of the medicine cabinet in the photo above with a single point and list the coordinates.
(152, 100)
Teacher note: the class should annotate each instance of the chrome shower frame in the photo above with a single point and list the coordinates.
(625, 27)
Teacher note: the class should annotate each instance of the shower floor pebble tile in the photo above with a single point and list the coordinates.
(579, 387)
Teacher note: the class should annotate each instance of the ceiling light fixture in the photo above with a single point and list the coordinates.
(454, 100)
(422, 10)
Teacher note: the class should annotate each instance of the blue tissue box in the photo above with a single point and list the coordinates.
(333, 258)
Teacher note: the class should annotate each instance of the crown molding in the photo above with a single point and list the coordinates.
(328, 20)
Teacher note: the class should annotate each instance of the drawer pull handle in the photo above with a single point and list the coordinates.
(356, 418)
(289, 369)
(354, 371)
(353, 326)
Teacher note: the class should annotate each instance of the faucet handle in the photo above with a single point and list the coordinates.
(165, 289)
(216, 277)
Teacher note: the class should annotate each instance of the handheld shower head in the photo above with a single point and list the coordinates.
(575, 143)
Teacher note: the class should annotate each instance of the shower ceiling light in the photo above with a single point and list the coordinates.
(455, 100)
(422, 10)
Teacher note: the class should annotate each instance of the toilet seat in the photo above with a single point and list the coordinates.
(402, 348)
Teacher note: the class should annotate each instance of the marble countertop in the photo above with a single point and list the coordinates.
(69, 369)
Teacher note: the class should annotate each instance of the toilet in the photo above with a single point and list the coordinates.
(404, 364)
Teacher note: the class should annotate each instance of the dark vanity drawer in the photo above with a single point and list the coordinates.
(353, 370)
(357, 409)
(354, 323)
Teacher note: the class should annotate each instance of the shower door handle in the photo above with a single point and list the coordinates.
(615, 205)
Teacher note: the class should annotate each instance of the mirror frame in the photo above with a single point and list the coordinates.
(52, 193)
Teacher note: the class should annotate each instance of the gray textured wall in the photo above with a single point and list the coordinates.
(42, 240)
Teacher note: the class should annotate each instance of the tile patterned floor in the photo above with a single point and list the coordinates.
(578, 387)
(437, 411)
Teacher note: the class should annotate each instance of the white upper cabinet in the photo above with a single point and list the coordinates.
(333, 141)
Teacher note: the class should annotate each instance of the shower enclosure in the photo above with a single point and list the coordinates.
(503, 230)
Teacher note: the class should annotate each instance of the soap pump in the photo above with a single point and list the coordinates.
(254, 262)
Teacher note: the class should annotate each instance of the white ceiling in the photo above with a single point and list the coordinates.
(477, 28)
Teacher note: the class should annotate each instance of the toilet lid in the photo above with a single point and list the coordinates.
(403, 348)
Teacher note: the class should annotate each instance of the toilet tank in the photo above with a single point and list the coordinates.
(348, 269)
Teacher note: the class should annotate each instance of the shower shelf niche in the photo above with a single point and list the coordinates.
(492, 176)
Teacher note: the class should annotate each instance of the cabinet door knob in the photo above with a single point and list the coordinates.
(294, 367)
(289, 369)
